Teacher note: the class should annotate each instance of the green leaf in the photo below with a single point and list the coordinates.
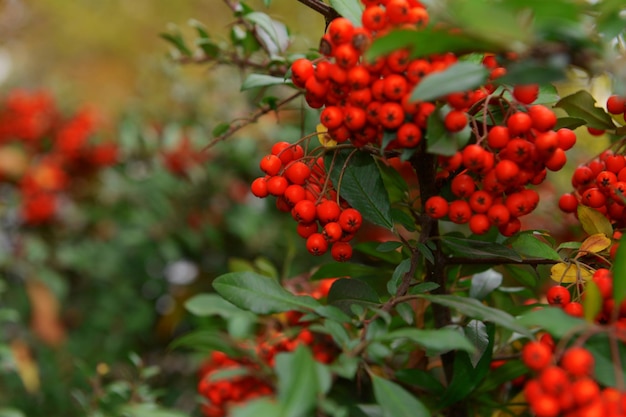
(371, 249)
(149, 410)
(262, 80)
(388, 246)
(176, 39)
(476, 332)
(421, 379)
(205, 341)
(505, 373)
(530, 246)
(533, 72)
(423, 287)
(462, 76)
(569, 123)
(592, 303)
(260, 407)
(439, 140)
(260, 294)
(426, 42)
(395, 401)
(398, 275)
(484, 282)
(210, 305)
(343, 269)
(582, 105)
(298, 383)
(220, 129)
(552, 319)
(437, 341)
(350, 9)
(605, 362)
(361, 185)
(619, 274)
(475, 309)
(346, 292)
(466, 376)
(11, 412)
(478, 249)
(268, 26)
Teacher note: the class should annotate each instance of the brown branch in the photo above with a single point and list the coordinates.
(251, 119)
(322, 8)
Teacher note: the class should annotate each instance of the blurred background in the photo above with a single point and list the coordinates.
(111, 213)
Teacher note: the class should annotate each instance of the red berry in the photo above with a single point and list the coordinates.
(259, 187)
(316, 244)
(526, 94)
(341, 251)
(578, 361)
(436, 207)
(455, 121)
(350, 220)
(558, 295)
(536, 355)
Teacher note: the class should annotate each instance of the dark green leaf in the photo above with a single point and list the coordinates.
(211, 304)
(361, 185)
(421, 379)
(505, 373)
(582, 105)
(343, 269)
(462, 76)
(619, 274)
(260, 294)
(532, 72)
(529, 246)
(350, 9)
(423, 287)
(484, 282)
(256, 408)
(569, 123)
(389, 246)
(298, 383)
(261, 80)
(345, 292)
(600, 348)
(478, 249)
(475, 309)
(210, 48)
(425, 251)
(396, 401)
(466, 376)
(371, 249)
(436, 341)
(177, 41)
(552, 319)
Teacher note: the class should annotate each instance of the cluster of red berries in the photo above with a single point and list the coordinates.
(361, 100)
(41, 151)
(560, 296)
(568, 388)
(489, 179)
(601, 183)
(221, 394)
(302, 187)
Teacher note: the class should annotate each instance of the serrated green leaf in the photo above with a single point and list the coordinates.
(260, 294)
(361, 185)
(582, 105)
(395, 401)
(462, 76)
(389, 246)
(262, 80)
(350, 9)
(475, 309)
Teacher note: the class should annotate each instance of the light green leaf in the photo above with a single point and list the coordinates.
(350, 9)
(437, 340)
(262, 80)
(619, 274)
(298, 383)
(462, 76)
(484, 282)
(552, 319)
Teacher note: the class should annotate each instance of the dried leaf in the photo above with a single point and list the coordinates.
(45, 313)
(594, 244)
(568, 273)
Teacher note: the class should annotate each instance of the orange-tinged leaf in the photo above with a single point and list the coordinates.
(595, 243)
(26, 366)
(46, 321)
(324, 137)
(593, 221)
(568, 273)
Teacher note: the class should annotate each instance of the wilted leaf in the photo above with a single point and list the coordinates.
(325, 139)
(568, 273)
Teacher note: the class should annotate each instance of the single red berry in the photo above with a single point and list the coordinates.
(526, 94)
(331, 117)
(271, 164)
(543, 119)
(459, 211)
(306, 229)
(277, 185)
(436, 207)
(519, 123)
(463, 185)
(616, 104)
(350, 220)
(304, 211)
(578, 361)
(568, 203)
(567, 138)
(498, 137)
(316, 244)
(536, 355)
(332, 232)
(294, 194)
(479, 224)
(298, 172)
(259, 187)
(558, 295)
(341, 251)
(574, 309)
(328, 211)
(455, 121)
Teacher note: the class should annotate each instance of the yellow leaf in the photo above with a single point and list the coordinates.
(593, 221)
(324, 137)
(595, 243)
(568, 273)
